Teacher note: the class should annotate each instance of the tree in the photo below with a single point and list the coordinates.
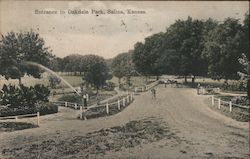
(122, 66)
(56, 64)
(245, 72)
(96, 71)
(145, 56)
(73, 63)
(222, 49)
(245, 59)
(186, 39)
(245, 43)
(18, 48)
(53, 81)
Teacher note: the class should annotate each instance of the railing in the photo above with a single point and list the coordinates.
(146, 87)
(117, 104)
(16, 117)
(107, 105)
(226, 104)
(204, 90)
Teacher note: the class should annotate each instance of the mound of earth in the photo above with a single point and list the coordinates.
(116, 138)
(13, 126)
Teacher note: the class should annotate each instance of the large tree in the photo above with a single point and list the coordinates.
(73, 63)
(186, 38)
(245, 59)
(96, 71)
(122, 66)
(222, 49)
(146, 55)
(18, 48)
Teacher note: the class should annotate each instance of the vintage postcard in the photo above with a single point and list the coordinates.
(124, 79)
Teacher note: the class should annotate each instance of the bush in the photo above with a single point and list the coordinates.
(236, 86)
(110, 86)
(23, 96)
(46, 108)
(54, 81)
(71, 98)
(43, 108)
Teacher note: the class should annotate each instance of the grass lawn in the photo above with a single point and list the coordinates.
(31, 81)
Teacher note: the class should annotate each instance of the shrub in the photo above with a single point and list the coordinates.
(110, 86)
(54, 81)
(23, 96)
(43, 108)
(71, 98)
(46, 108)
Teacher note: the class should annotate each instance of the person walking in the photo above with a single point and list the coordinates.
(198, 88)
(153, 91)
(165, 83)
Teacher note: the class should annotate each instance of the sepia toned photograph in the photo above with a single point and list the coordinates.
(124, 79)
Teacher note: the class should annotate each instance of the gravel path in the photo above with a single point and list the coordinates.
(198, 132)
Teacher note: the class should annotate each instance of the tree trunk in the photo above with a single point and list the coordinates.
(185, 79)
(97, 90)
(119, 83)
(19, 81)
(248, 89)
(193, 79)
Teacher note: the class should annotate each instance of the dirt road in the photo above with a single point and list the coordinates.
(197, 131)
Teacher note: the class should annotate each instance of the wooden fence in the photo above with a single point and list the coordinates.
(219, 103)
(16, 117)
(146, 87)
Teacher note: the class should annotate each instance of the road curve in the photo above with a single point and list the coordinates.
(200, 132)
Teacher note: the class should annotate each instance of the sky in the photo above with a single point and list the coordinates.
(106, 34)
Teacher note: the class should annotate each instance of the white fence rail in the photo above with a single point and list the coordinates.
(16, 117)
(146, 87)
(229, 104)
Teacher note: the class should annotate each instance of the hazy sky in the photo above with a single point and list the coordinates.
(110, 34)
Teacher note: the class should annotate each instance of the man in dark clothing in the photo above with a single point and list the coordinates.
(153, 91)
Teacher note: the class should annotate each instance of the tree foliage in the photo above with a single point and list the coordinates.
(122, 66)
(222, 49)
(16, 48)
(23, 96)
(195, 47)
(96, 71)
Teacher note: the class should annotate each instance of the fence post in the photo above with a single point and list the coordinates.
(219, 103)
(213, 100)
(124, 102)
(80, 112)
(38, 118)
(135, 89)
(85, 118)
(87, 97)
(107, 108)
(75, 105)
(66, 104)
(16, 118)
(128, 98)
(230, 106)
(118, 105)
(131, 96)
